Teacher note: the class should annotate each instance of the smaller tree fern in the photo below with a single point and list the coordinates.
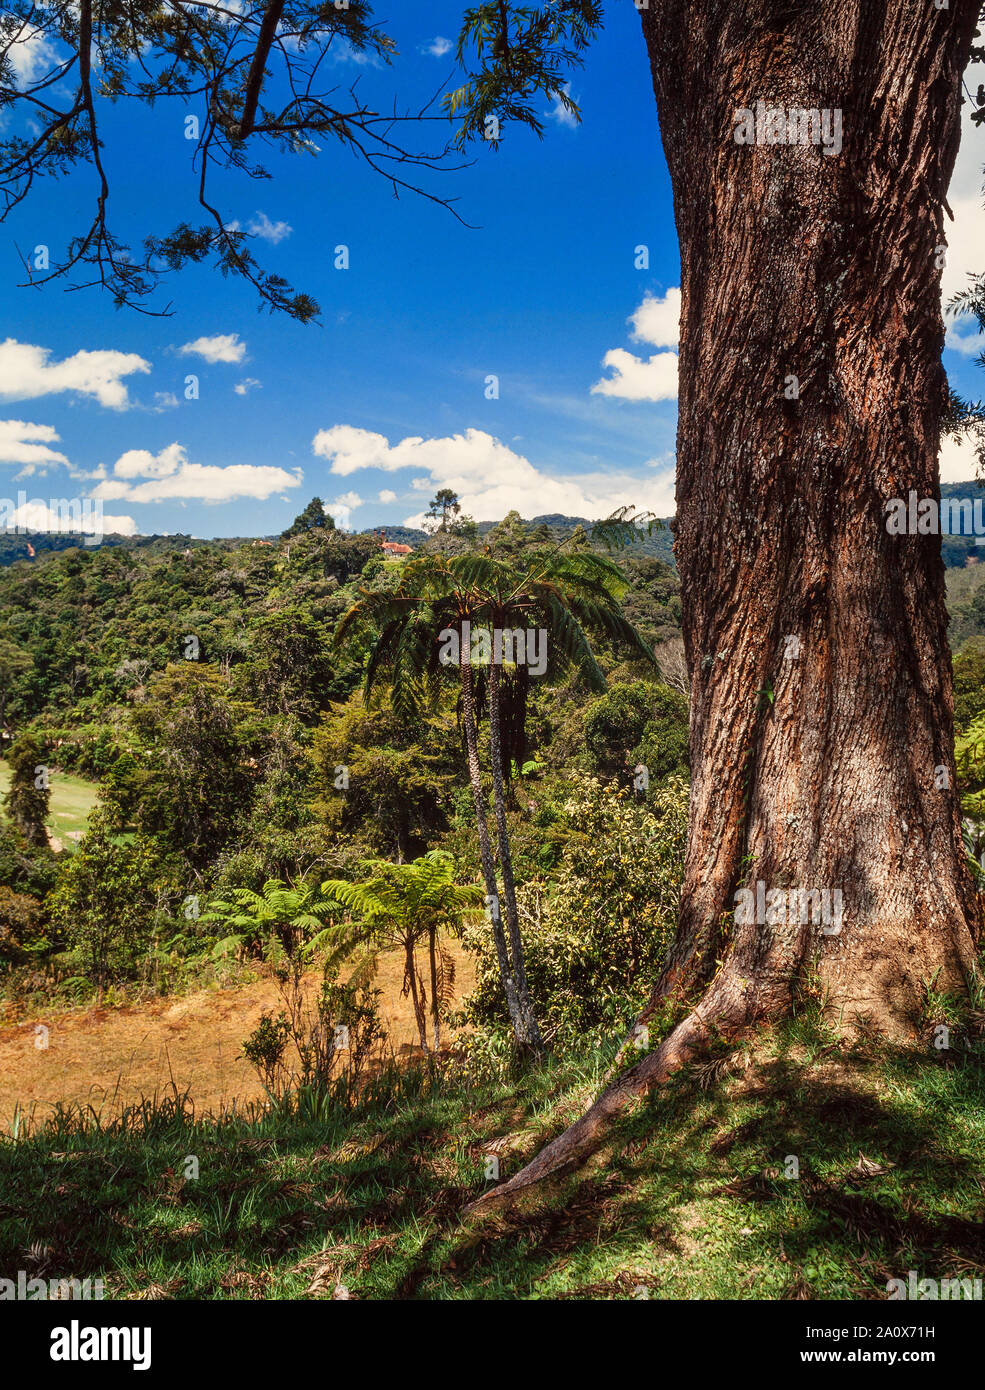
(299, 919)
(404, 905)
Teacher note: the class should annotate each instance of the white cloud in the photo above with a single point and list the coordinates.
(638, 379)
(274, 232)
(26, 372)
(342, 508)
(32, 56)
(560, 114)
(387, 496)
(490, 478)
(439, 47)
(963, 335)
(657, 322)
(247, 384)
(964, 195)
(96, 474)
(957, 460)
(221, 347)
(37, 515)
(342, 51)
(21, 442)
(169, 475)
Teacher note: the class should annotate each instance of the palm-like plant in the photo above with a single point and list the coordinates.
(565, 591)
(402, 904)
(299, 917)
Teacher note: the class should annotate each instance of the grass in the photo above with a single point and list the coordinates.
(72, 800)
(692, 1201)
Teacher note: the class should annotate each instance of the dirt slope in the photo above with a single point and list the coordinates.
(110, 1057)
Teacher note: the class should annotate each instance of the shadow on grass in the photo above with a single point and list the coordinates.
(693, 1200)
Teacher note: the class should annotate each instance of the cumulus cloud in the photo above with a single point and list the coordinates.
(221, 347)
(140, 476)
(656, 322)
(32, 55)
(491, 478)
(439, 47)
(247, 384)
(341, 509)
(37, 515)
(262, 227)
(639, 379)
(963, 335)
(27, 444)
(26, 372)
(958, 463)
(964, 196)
(386, 495)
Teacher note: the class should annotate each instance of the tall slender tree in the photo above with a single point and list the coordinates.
(443, 604)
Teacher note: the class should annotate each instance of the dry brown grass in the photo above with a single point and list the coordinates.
(111, 1057)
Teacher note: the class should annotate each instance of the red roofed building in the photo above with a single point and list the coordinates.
(392, 547)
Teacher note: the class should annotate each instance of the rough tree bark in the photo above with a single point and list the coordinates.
(821, 705)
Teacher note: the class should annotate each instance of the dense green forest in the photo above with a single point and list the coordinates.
(205, 689)
(234, 745)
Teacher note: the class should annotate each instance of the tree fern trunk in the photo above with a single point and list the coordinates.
(506, 860)
(435, 993)
(411, 972)
(486, 856)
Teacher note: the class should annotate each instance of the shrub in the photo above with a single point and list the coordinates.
(596, 935)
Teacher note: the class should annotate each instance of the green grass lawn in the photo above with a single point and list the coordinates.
(692, 1202)
(72, 799)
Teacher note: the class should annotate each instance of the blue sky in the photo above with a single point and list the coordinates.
(388, 397)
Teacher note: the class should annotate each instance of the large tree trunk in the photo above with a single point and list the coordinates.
(797, 263)
(821, 707)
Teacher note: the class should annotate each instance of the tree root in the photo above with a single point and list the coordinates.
(580, 1140)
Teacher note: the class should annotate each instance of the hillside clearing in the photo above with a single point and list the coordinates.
(111, 1057)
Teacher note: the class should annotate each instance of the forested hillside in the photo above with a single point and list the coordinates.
(204, 691)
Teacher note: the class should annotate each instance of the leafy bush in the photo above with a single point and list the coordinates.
(110, 902)
(596, 934)
(638, 722)
(21, 928)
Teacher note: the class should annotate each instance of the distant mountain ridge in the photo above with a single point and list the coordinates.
(660, 543)
(957, 549)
